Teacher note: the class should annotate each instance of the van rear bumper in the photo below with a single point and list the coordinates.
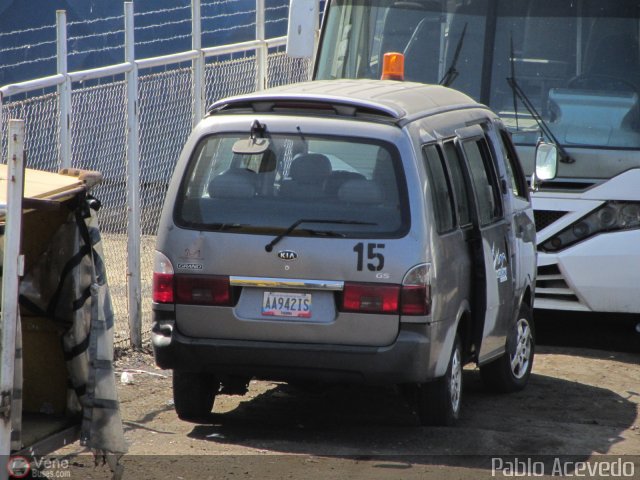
(409, 359)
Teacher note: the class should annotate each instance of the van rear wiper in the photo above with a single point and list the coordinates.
(269, 246)
(324, 233)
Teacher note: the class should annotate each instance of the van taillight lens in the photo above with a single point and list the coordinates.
(415, 298)
(163, 287)
(370, 298)
(162, 279)
(203, 290)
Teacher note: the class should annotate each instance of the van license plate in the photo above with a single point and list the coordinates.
(282, 304)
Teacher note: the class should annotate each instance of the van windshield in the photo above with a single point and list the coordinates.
(356, 183)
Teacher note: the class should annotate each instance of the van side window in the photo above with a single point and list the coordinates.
(457, 180)
(484, 180)
(514, 170)
(440, 188)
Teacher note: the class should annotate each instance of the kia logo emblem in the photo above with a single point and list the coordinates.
(287, 255)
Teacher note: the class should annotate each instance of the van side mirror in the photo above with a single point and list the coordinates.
(301, 30)
(546, 161)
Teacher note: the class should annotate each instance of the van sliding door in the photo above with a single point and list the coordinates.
(493, 287)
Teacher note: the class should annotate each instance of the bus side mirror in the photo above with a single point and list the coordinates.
(546, 161)
(301, 31)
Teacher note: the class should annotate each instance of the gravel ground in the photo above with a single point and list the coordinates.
(581, 404)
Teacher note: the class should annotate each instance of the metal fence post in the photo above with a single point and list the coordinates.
(199, 96)
(134, 288)
(316, 42)
(262, 50)
(64, 91)
(1, 127)
(13, 264)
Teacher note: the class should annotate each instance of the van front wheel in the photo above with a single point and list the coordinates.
(511, 371)
(193, 394)
(439, 401)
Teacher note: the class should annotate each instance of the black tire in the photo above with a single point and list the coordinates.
(440, 401)
(511, 371)
(193, 394)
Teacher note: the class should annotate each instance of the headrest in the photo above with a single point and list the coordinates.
(234, 183)
(310, 168)
(360, 191)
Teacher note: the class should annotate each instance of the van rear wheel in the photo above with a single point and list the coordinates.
(193, 394)
(439, 401)
(511, 371)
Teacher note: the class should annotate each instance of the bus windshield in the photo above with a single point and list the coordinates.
(572, 66)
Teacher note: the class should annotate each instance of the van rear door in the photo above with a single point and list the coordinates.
(306, 241)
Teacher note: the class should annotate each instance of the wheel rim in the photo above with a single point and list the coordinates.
(455, 383)
(521, 356)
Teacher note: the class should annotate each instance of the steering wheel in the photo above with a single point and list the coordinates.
(596, 81)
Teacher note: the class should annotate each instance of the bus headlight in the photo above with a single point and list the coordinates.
(610, 217)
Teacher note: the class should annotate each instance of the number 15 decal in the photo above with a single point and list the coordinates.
(377, 258)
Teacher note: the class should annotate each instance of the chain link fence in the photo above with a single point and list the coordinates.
(99, 143)
(165, 103)
(40, 113)
(283, 69)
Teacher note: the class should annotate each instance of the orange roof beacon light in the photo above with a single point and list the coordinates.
(393, 66)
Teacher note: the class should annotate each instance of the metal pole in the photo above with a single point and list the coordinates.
(262, 51)
(64, 91)
(1, 102)
(199, 96)
(133, 184)
(316, 36)
(13, 266)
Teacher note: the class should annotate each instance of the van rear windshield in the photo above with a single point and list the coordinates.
(358, 183)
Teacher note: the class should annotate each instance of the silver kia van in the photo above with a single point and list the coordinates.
(346, 231)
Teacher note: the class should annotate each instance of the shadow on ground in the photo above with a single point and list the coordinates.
(611, 332)
(551, 417)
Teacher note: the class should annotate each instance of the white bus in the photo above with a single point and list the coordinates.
(567, 71)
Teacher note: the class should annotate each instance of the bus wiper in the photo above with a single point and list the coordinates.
(269, 246)
(452, 73)
(513, 75)
(517, 91)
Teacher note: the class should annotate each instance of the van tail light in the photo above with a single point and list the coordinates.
(203, 290)
(415, 297)
(415, 300)
(370, 298)
(163, 279)
(188, 289)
